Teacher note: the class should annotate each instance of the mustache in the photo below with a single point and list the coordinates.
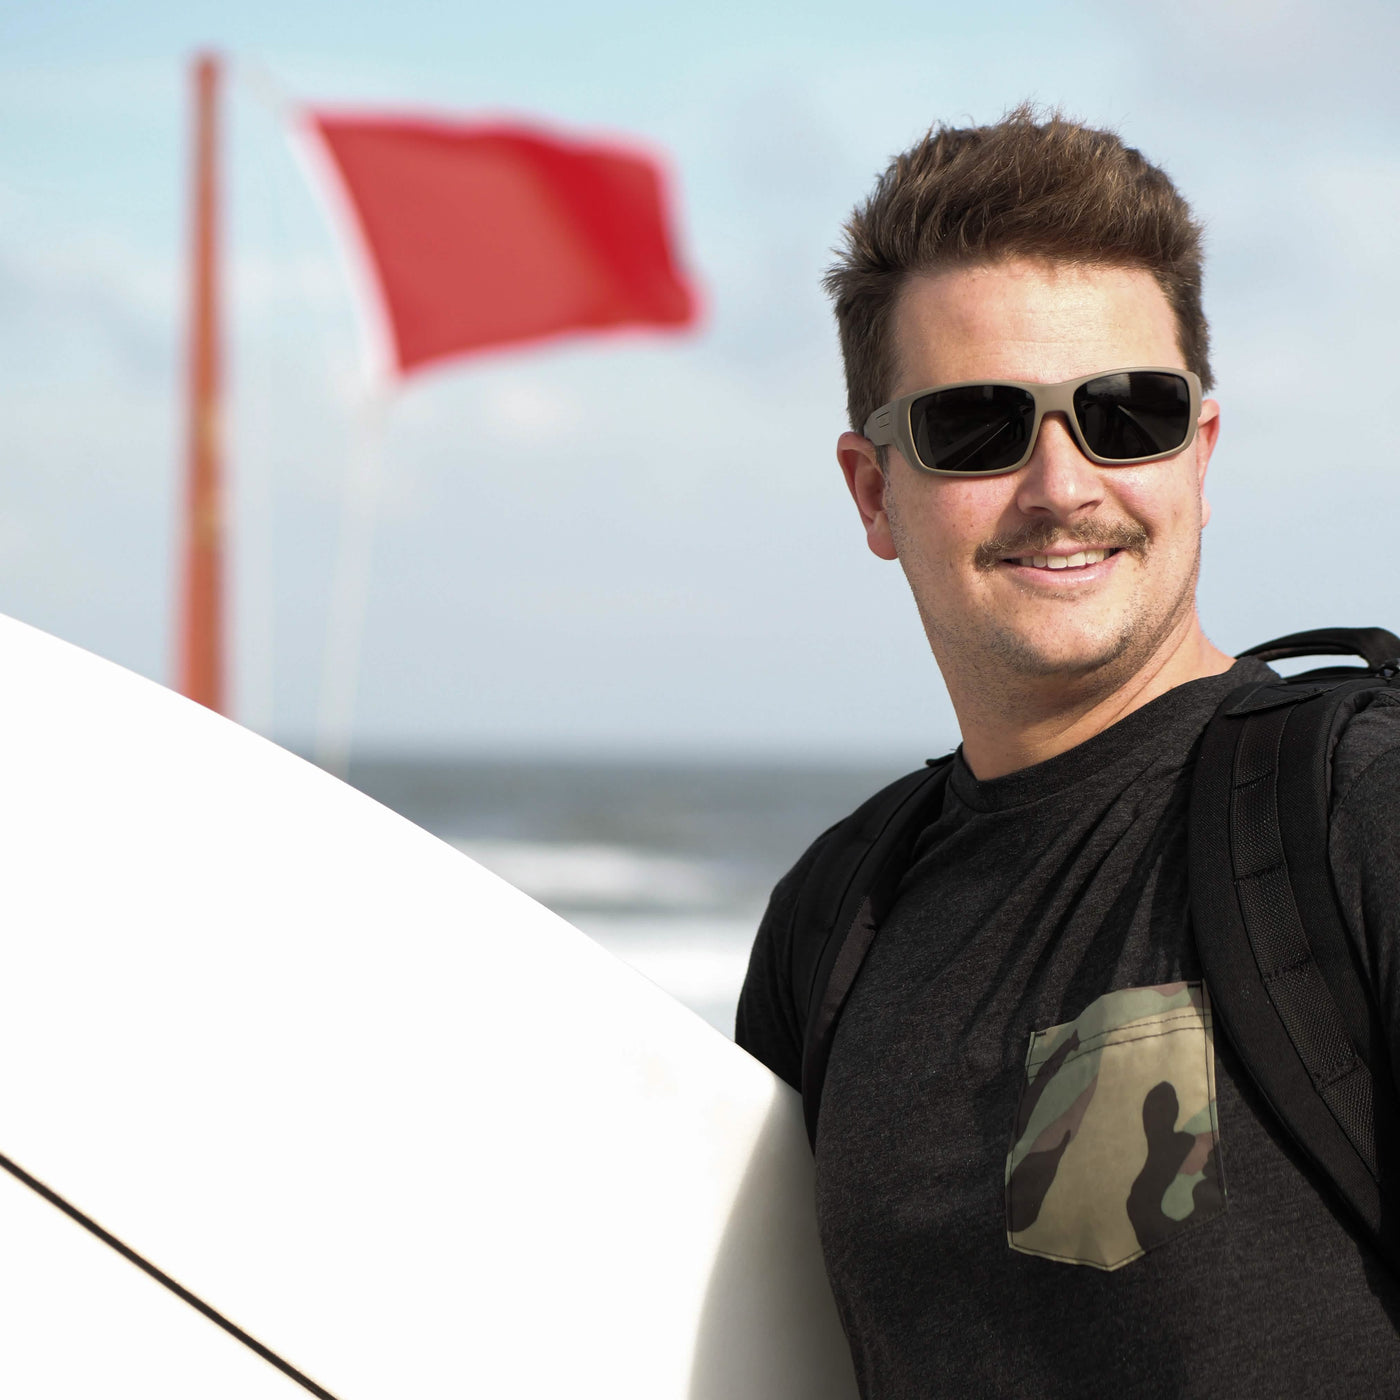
(1040, 536)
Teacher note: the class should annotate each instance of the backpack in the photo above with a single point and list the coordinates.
(1285, 982)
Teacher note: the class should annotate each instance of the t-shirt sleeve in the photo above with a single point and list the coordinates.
(769, 1024)
(1365, 849)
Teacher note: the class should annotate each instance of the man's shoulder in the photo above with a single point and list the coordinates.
(822, 874)
(1369, 747)
(804, 908)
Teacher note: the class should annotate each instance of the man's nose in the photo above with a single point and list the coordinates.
(1059, 481)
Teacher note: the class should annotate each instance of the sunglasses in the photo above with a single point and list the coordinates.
(1117, 417)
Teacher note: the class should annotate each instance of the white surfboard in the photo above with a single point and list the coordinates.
(409, 1130)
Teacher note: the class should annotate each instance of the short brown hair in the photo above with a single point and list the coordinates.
(1023, 188)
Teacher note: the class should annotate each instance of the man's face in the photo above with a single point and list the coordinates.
(967, 544)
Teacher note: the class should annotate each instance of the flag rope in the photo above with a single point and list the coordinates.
(164, 1279)
(349, 601)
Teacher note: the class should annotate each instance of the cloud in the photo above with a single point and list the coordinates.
(84, 305)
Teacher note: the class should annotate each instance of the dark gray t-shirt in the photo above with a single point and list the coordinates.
(1026, 1075)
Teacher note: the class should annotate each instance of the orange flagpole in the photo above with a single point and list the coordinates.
(201, 657)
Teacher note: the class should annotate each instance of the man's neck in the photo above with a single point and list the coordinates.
(1038, 718)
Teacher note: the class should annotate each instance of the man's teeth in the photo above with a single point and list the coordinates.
(1064, 561)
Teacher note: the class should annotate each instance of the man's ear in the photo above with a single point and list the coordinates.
(1207, 434)
(867, 484)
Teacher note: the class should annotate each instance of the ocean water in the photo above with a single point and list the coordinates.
(668, 865)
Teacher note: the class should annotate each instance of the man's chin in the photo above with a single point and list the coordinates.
(1071, 657)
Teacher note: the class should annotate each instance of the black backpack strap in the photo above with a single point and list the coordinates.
(842, 904)
(1284, 978)
(1380, 648)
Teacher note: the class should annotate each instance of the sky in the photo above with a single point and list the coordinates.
(643, 543)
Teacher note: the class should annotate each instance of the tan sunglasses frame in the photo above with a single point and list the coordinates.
(889, 426)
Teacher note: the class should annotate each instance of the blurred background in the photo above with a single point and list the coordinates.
(623, 642)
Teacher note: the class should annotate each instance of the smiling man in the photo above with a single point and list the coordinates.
(1042, 644)
(1039, 1171)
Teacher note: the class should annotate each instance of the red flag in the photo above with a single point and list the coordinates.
(482, 235)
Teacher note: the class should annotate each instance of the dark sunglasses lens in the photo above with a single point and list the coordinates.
(977, 428)
(1142, 413)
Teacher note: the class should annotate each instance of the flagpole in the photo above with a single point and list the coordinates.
(201, 641)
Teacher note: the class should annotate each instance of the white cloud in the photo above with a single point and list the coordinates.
(528, 412)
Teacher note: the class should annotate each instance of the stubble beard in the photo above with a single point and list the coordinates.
(990, 654)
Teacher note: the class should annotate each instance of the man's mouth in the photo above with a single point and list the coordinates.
(1045, 545)
(1081, 560)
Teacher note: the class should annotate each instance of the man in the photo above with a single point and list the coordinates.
(1038, 1171)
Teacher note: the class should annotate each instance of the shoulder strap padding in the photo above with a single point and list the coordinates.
(841, 904)
(1285, 979)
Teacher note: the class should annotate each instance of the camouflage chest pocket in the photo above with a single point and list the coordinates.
(1116, 1147)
